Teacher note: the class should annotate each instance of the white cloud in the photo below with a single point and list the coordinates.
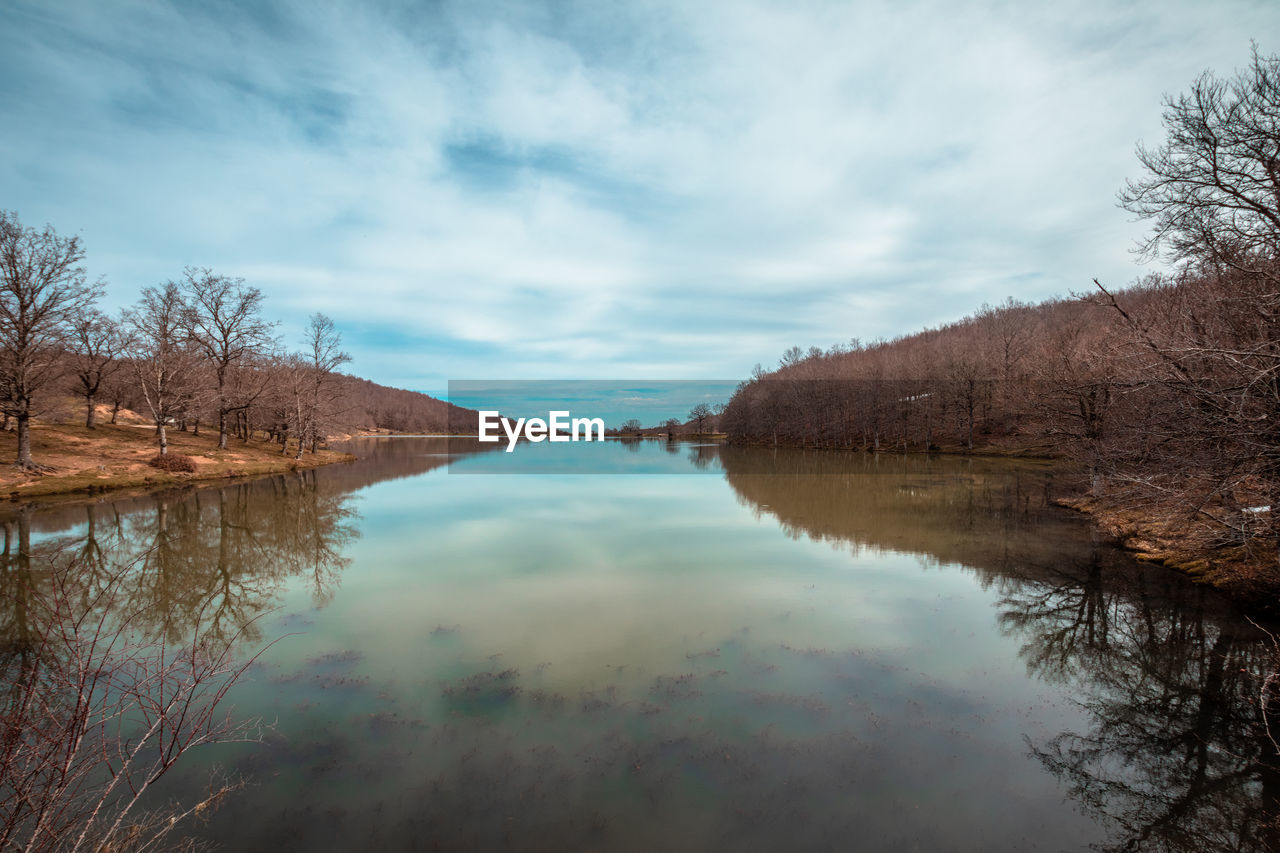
(568, 190)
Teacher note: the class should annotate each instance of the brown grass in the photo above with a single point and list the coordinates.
(1163, 538)
(118, 456)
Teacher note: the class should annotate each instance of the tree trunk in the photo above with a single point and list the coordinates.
(971, 405)
(89, 413)
(24, 442)
(164, 439)
(1097, 484)
(222, 405)
(115, 410)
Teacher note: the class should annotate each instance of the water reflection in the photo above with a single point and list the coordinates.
(213, 559)
(982, 513)
(1175, 755)
(635, 663)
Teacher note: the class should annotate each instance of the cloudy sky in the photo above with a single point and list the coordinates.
(601, 189)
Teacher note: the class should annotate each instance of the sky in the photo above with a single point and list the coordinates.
(600, 190)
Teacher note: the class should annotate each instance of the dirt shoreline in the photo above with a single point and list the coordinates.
(1241, 576)
(114, 458)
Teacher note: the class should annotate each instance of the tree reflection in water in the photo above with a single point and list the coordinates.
(213, 557)
(1173, 754)
(1176, 756)
(120, 640)
(210, 559)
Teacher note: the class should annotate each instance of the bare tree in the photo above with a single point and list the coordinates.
(1212, 190)
(120, 389)
(43, 291)
(1010, 330)
(323, 356)
(1206, 341)
(701, 412)
(96, 346)
(227, 329)
(92, 714)
(1080, 381)
(164, 363)
(967, 383)
(293, 412)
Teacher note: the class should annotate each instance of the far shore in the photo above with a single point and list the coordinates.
(115, 457)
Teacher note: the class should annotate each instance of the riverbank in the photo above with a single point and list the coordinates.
(1250, 578)
(115, 457)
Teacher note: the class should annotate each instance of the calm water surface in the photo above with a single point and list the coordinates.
(786, 651)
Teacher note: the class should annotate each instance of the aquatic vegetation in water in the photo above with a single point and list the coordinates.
(334, 658)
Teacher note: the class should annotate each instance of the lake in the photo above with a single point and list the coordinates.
(683, 646)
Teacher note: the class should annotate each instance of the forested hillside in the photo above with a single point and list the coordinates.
(1166, 393)
(369, 405)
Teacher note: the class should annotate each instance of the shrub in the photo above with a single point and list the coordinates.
(172, 462)
(94, 708)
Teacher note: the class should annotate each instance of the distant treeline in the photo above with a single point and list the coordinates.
(1167, 393)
